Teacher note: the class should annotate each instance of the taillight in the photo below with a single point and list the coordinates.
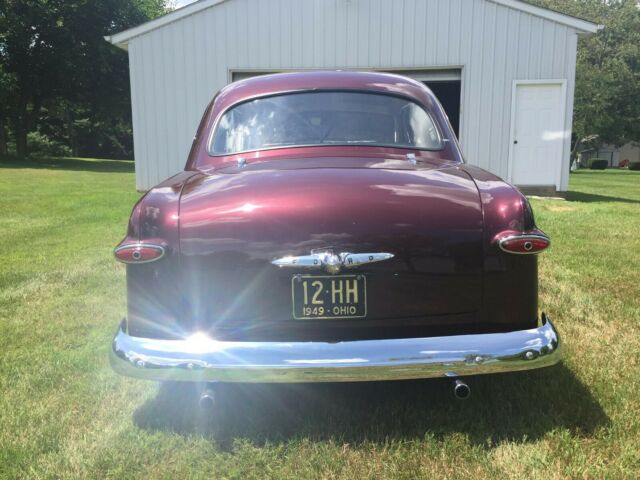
(525, 243)
(138, 253)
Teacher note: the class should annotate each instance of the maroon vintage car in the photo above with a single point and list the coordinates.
(326, 228)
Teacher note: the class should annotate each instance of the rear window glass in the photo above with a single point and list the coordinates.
(325, 118)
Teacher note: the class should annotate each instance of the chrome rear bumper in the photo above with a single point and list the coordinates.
(201, 359)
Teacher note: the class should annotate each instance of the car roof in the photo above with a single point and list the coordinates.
(279, 83)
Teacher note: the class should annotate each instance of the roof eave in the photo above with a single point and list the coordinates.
(121, 39)
(579, 24)
(122, 45)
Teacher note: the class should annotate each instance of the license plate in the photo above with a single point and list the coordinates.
(329, 296)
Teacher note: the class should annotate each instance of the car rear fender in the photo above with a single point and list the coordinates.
(510, 282)
(151, 293)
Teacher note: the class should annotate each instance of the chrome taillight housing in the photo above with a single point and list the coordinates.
(138, 252)
(525, 243)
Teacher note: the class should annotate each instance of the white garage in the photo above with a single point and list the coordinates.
(503, 70)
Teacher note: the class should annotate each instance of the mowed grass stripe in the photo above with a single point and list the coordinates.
(64, 414)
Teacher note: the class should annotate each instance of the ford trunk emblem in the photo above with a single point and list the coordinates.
(329, 261)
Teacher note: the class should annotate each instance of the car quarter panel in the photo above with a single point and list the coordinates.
(153, 289)
(510, 286)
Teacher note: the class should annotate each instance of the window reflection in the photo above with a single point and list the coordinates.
(325, 118)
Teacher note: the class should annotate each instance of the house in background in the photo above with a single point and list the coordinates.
(614, 155)
(503, 70)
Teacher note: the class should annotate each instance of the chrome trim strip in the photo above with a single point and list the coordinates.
(352, 260)
(302, 261)
(137, 245)
(203, 359)
(526, 236)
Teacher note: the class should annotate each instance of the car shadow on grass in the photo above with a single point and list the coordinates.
(573, 196)
(72, 164)
(519, 407)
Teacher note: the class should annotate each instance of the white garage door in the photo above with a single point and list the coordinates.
(537, 133)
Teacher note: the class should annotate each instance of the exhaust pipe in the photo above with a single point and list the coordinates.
(461, 390)
(207, 400)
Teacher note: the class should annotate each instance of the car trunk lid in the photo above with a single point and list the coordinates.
(235, 223)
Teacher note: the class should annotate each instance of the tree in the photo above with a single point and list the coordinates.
(54, 53)
(607, 96)
(6, 89)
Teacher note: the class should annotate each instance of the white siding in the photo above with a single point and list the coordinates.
(176, 69)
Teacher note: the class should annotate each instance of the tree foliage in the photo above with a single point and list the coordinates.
(61, 78)
(607, 96)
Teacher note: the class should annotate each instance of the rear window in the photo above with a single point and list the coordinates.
(325, 118)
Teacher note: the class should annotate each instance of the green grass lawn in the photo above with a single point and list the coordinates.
(64, 414)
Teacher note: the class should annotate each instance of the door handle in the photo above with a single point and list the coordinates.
(515, 141)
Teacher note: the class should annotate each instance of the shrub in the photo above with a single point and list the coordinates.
(634, 165)
(598, 164)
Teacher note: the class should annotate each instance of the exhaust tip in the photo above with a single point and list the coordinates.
(461, 390)
(207, 400)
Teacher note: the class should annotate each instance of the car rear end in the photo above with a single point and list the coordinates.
(225, 301)
(300, 263)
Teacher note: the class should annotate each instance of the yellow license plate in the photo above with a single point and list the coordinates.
(329, 296)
